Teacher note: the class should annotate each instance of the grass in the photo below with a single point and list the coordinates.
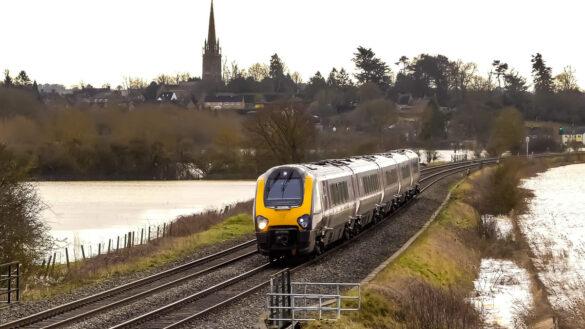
(156, 254)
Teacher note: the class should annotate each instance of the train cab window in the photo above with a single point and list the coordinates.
(284, 187)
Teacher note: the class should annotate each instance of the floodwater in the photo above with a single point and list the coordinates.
(555, 229)
(446, 155)
(93, 212)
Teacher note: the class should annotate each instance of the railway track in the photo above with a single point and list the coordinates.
(107, 300)
(188, 308)
(182, 312)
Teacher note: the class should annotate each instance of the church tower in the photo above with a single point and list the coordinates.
(211, 53)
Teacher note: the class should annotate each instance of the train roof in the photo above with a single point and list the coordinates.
(335, 167)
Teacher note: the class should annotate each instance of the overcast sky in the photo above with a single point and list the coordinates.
(68, 41)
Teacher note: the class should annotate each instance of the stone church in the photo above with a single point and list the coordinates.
(211, 53)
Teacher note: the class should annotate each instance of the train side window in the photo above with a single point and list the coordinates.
(371, 183)
(405, 172)
(345, 192)
(391, 177)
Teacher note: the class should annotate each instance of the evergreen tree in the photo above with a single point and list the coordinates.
(500, 69)
(543, 81)
(276, 71)
(433, 124)
(22, 79)
(371, 69)
(7, 79)
(316, 84)
(344, 79)
(333, 79)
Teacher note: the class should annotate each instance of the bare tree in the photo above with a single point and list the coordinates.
(182, 77)
(163, 79)
(133, 83)
(296, 78)
(566, 81)
(258, 71)
(283, 132)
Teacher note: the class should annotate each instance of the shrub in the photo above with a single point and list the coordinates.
(23, 235)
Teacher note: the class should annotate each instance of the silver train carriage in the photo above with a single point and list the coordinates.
(302, 208)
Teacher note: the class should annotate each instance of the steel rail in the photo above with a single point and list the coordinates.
(41, 316)
(147, 292)
(165, 309)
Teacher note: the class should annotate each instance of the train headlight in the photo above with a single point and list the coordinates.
(304, 221)
(261, 222)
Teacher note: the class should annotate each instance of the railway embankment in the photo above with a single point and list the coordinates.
(433, 283)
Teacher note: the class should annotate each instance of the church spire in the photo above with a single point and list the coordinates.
(211, 33)
(211, 53)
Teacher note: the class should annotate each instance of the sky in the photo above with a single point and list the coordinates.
(97, 42)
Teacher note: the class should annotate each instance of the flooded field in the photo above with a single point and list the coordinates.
(93, 212)
(555, 229)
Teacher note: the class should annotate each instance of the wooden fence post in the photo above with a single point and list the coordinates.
(164, 229)
(67, 256)
(54, 258)
(117, 243)
(148, 239)
(141, 235)
(99, 249)
(83, 252)
(157, 229)
(125, 241)
(109, 245)
(48, 265)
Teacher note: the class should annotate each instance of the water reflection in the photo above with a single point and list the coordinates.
(93, 212)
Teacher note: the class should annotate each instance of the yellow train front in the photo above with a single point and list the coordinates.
(282, 212)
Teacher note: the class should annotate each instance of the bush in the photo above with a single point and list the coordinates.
(433, 307)
(23, 234)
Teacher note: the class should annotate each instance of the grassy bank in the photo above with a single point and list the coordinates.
(190, 234)
(428, 285)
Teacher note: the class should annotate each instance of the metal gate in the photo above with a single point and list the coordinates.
(9, 282)
(288, 302)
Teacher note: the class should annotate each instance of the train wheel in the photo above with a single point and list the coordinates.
(273, 258)
(347, 232)
(319, 247)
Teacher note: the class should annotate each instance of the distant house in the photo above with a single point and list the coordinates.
(225, 102)
(404, 101)
(167, 97)
(573, 135)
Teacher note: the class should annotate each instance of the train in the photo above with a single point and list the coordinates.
(301, 209)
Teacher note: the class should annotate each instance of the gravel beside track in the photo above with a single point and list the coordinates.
(351, 263)
(17, 311)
